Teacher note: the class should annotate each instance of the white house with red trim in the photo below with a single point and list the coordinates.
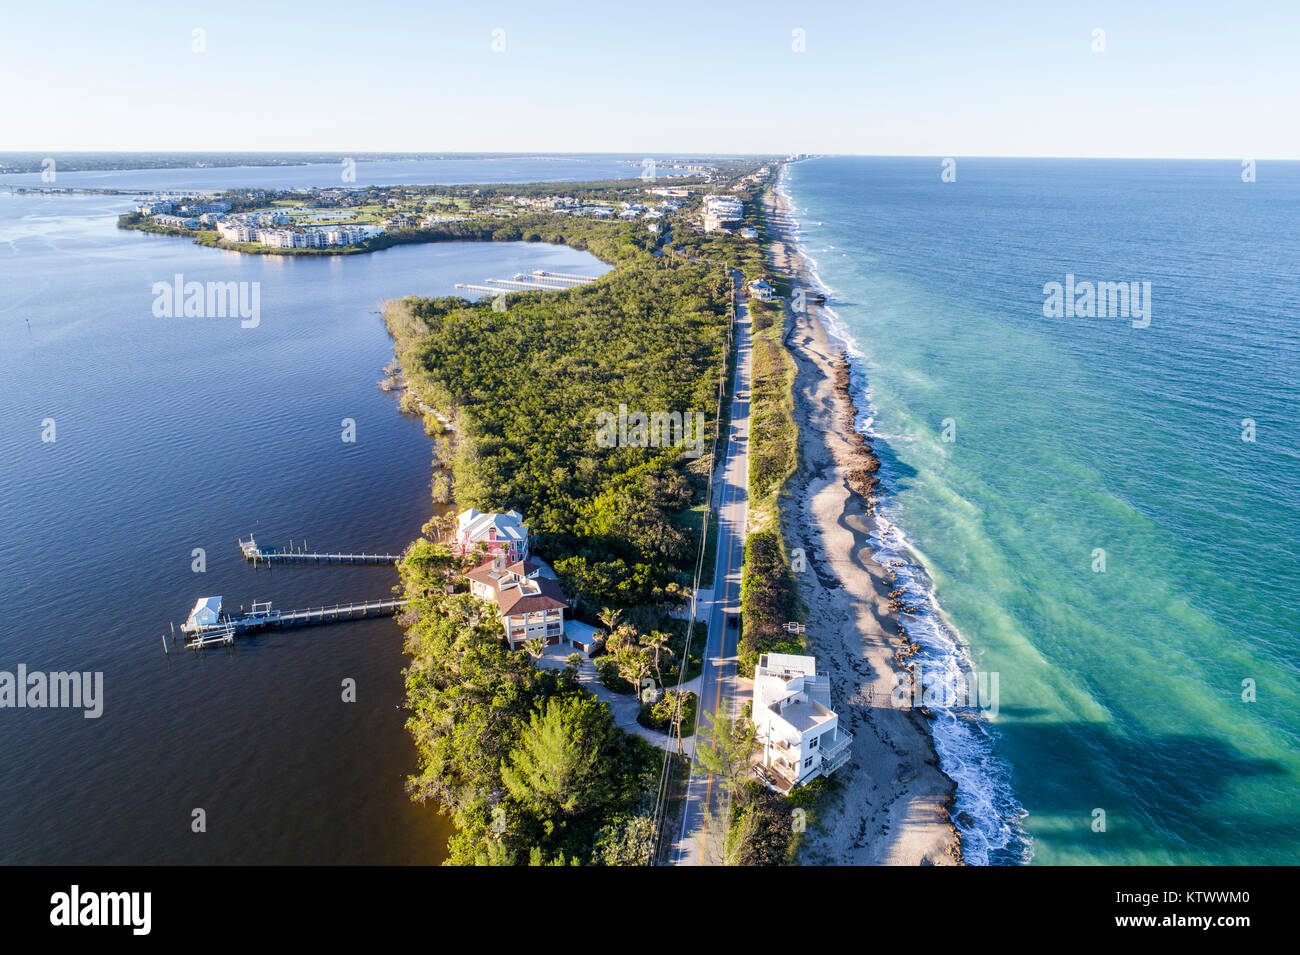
(493, 535)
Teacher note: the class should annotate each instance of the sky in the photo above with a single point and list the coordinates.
(1163, 79)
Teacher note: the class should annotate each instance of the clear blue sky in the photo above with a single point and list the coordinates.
(1186, 79)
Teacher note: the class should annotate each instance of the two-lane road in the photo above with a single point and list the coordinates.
(707, 801)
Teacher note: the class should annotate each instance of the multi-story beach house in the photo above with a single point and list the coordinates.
(497, 535)
(528, 598)
(799, 732)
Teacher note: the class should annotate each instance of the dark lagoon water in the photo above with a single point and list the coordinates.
(450, 171)
(179, 433)
(1126, 682)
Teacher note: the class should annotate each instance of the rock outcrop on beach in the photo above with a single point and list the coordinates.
(862, 463)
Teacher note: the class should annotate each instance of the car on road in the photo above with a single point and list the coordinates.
(733, 621)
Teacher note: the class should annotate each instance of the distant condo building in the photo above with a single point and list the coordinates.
(799, 732)
(253, 229)
(177, 222)
(235, 231)
(722, 213)
(199, 208)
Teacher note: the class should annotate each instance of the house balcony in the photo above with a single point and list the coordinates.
(837, 753)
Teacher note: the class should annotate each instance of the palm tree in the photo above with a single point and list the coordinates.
(633, 665)
(658, 642)
(609, 617)
(536, 646)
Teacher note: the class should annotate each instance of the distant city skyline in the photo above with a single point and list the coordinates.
(1169, 80)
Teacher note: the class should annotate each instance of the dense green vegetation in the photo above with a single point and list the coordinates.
(773, 435)
(767, 599)
(662, 714)
(530, 766)
(767, 827)
(525, 386)
(767, 590)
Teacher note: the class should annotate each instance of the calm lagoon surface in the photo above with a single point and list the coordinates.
(173, 434)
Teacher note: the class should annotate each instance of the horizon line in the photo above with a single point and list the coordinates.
(705, 154)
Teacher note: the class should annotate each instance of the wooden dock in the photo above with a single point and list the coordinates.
(538, 281)
(262, 617)
(273, 555)
(563, 276)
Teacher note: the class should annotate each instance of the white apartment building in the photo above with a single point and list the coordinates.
(722, 212)
(199, 208)
(177, 222)
(236, 231)
(799, 732)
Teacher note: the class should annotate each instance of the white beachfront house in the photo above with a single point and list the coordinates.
(761, 290)
(528, 598)
(502, 535)
(799, 732)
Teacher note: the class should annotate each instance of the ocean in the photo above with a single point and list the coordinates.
(1100, 508)
(174, 436)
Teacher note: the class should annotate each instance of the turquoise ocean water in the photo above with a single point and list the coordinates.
(1101, 531)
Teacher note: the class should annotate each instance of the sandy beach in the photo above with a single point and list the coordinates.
(893, 804)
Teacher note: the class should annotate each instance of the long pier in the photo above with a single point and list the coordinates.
(516, 285)
(262, 617)
(539, 281)
(273, 555)
(498, 286)
(563, 276)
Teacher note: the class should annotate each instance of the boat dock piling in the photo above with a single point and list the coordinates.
(261, 617)
(273, 555)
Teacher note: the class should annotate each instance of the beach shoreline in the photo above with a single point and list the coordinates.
(893, 804)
